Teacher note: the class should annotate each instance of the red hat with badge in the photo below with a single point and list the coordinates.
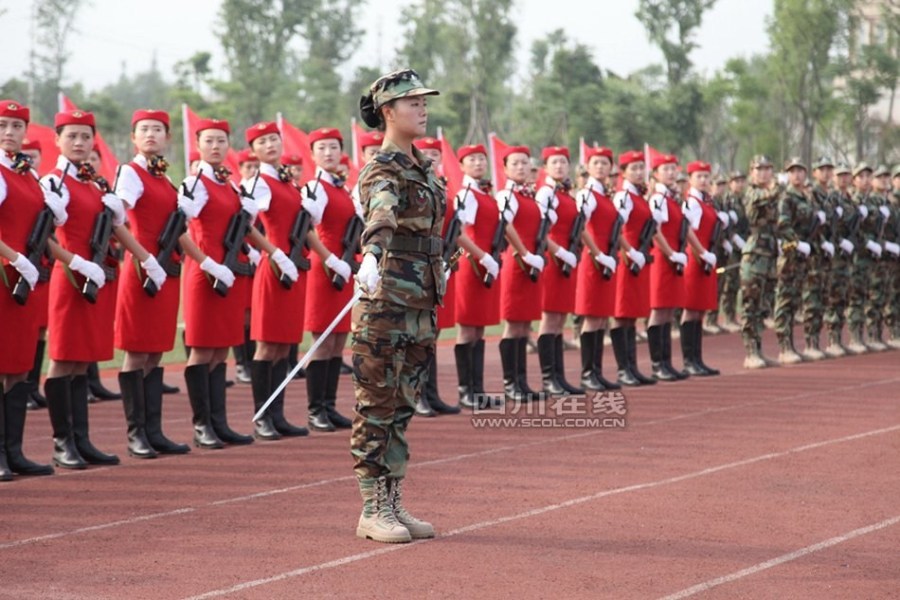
(14, 110)
(146, 114)
(549, 151)
(28, 144)
(220, 124)
(698, 166)
(515, 150)
(428, 143)
(74, 117)
(663, 159)
(245, 156)
(261, 129)
(371, 138)
(632, 156)
(193, 156)
(469, 150)
(595, 151)
(292, 160)
(325, 133)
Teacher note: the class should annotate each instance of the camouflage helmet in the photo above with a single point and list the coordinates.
(761, 161)
(823, 162)
(882, 171)
(842, 169)
(861, 168)
(398, 84)
(795, 162)
(735, 175)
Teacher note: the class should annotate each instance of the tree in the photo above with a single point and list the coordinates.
(54, 21)
(662, 19)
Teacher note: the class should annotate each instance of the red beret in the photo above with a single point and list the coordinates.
(219, 124)
(292, 159)
(371, 138)
(465, 151)
(193, 156)
(632, 156)
(28, 144)
(345, 160)
(698, 166)
(428, 143)
(516, 150)
(325, 133)
(261, 129)
(554, 151)
(146, 114)
(74, 117)
(245, 156)
(663, 159)
(601, 151)
(14, 110)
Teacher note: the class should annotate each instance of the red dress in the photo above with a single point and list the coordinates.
(701, 288)
(594, 295)
(633, 292)
(323, 300)
(558, 291)
(446, 314)
(277, 314)
(517, 291)
(666, 285)
(211, 321)
(79, 331)
(19, 332)
(40, 296)
(145, 324)
(476, 304)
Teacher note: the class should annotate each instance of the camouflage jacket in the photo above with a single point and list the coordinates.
(845, 216)
(735, 202)
(797, 220)
(404, 203)
(761, 207)
(870, 227)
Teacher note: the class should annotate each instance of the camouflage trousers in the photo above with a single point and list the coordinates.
(729, 286)
(837, 292)
(892, 307)
(393, 346)
(757, 278)
(791, 275)
(877, 297)
(860, 274)
(814, 287)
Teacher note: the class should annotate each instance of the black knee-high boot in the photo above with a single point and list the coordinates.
(196, 377)
(698, 352)
(667, 353)
(261, 382)
(331, 387)
(508, 360)
(559, 365)
(463, 353)
(598, 367)
(619, 337)
(218, 413)
(316, 383)
(153, 398)
(522, 372)
(482, 398)
(546, 344)
(660, 371)
(631, 338)
(282, 425)
(36, 399)
(59, 404)
(589, 350)
(96, 387)
(132, 385)
(431, 391)
(81, 427)
(15, 406)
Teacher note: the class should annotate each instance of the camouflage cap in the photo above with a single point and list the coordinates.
(399, 84)
(681, 177)
(823, 161)
(736, 175)
(794, 162)
(882, 171)
(896, 171)
(721, 179)
(842, 169)
(860, 168)
(760, 161)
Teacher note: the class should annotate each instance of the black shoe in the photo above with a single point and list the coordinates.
(169, 389)
(559, 365)
(59, 394)
(431, 392)
(242, 374)
(316, 383)
(335, 369)
(276, 409)
(698, 353)
(463, 353)
(547, 356)
(132, 385)
(12, 430)
(81, 427)
(531, 395)
(218, 413)
(423, 409)
(689, 330)
(667, 353)
(153, 393)
(96, 387)
(589, 350)
(657, 354)
(346, 369)
(508, 362)
(598, 367)
(197, 379)
(36, 400)
(619, 336)
(261, 376)
(483, 400)
(631, 339)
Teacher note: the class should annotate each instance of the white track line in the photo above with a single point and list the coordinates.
(542, 510)
(707, 585)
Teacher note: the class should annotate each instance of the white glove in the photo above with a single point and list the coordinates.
(254, 256)
(738, 241)
(828, 247)
(367, 276)
(804, 248)
(709, 258)
(893, 248)
(727, 247)
(88, 269)
(863, 210)
(534, 261)
(874, 248)
(113, 203)
(885, 211)
(679, 258)
(490, 265)
(607, 261)
(217, 271)
(58, 206)
(820, 214)
(839, 211)
(285, 265)
(155, 272)
(249, 205)
(566, 256)
(637, 257)
(723, 216)
(26, 270)
(187, 206)
(734, 216)
(846, 245)
(343, 269)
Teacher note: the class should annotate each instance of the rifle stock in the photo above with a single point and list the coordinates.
(613, 250)
(350, 243)
(297, 237)
(100, 248)
(175, 226)
(644, 240)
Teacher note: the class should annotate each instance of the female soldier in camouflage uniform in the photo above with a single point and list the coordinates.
(402, 275)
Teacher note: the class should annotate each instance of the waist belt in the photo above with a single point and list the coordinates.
(432, 246)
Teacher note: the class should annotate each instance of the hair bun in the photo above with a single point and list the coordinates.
(367, 111)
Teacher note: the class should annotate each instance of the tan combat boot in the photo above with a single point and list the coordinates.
(754, 359)
(418, 528)
(856, 345)
(875, 344)
(812, 352)
(835, 349)
(894, 337)
(377, 521)
(788, 355)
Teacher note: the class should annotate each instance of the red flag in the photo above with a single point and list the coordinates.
(582, 151)
(108, 162)
(49, 152)
(450, 166)
(296, 142)
(356, 133)
(651, 154)
(497, 148)
(190, 144)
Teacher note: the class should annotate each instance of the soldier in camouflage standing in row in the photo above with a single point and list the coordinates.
(843, 222)
(758, 257)
(730, 279)
(403, 278)
(863, 274)
(796, 220)
(819, 262)
(723, 250)
(892, 310)
(878, 299)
